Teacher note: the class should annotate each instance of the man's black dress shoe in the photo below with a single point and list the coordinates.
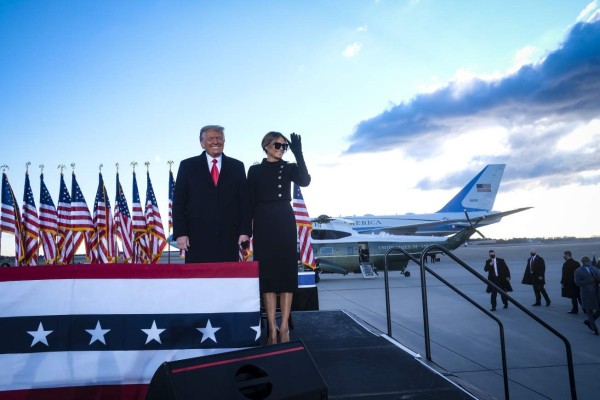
(493, 309)
(506, 306)
(536, 304)
(548, 304)
(587, 323)
(573, 312)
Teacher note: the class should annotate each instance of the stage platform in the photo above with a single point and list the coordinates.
(359, 362)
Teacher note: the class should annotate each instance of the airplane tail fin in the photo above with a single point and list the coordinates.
(480, 193)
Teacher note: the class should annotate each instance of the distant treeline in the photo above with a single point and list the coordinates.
(592, 239)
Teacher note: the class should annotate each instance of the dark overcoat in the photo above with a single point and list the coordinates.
(535, 273)
(588, 286)
(502, 279)
(213, 217)
(569, 288)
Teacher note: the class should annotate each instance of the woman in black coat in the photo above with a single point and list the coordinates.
(274, 226)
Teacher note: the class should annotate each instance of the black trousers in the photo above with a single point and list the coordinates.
(575, 304)
(539, 291)
(494, 296)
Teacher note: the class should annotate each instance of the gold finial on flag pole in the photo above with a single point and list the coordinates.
(73, 166)
(117, 165)
(27, 164)
(170, 162)
(147, 164)
(61, 167)
(41, 169)
(133, 165)
(4, 167)
(100, 167)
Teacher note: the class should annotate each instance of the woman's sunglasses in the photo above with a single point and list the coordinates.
(279, 146)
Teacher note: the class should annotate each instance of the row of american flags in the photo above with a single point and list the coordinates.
(107, 235)
(60, 230)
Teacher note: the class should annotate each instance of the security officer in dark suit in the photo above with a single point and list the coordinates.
(567, 282)
(499, 274)
(211, 208)
(535, 275)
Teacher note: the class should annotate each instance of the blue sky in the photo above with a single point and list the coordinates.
(398, 103)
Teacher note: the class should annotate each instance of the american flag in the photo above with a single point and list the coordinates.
(10, 218)
(48, 223)
(64, 233)
(304, 227)
(140, 232)
(245, 254)
(156, 233)
(81, 219)
(103, 250)
(31, 226)
(123, 225)
(171, 196)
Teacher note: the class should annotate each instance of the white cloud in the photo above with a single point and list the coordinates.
(581, 138)
(352, 50)
(588, 12)
(523, 57)
(362, 28)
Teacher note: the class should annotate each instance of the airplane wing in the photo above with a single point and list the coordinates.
(505, 213)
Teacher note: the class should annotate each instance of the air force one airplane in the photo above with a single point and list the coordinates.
(340, 249)
(474, 201)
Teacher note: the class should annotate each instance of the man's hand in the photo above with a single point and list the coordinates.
(183, 242)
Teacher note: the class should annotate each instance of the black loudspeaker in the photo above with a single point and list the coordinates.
(281, 371)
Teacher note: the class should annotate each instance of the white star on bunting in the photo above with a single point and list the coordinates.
(153, 333)
(39, 336)
(208, 332)
(97, 333)
(257, 329)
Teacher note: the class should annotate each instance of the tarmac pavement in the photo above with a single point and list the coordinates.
(465, 343)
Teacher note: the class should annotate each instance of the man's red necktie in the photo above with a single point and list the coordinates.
(214, 172)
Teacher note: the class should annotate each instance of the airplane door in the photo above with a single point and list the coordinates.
(363, 252)
(367, 269)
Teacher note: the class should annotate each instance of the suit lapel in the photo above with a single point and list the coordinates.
(204, 173)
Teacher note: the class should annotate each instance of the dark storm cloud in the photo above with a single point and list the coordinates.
(538, 105)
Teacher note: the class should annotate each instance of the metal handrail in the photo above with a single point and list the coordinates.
(426, 317)
(483, 279)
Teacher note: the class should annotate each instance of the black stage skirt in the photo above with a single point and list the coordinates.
(275, 247)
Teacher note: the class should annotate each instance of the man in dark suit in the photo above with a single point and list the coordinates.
(587, 277)
(567, 282)
(499, 274)
(535, 275)
(211, 209)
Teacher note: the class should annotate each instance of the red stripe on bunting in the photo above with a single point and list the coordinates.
(129, 271)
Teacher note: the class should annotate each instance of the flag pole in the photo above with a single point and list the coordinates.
(114, 227)
(4, 168)
(170, 162)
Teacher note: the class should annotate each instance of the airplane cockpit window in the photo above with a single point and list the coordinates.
(323, 234)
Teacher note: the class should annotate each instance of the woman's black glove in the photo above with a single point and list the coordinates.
(296, 145)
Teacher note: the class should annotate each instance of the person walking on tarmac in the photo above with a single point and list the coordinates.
(535, 275)
(587, 277)
(499, 274)
(568, 287)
